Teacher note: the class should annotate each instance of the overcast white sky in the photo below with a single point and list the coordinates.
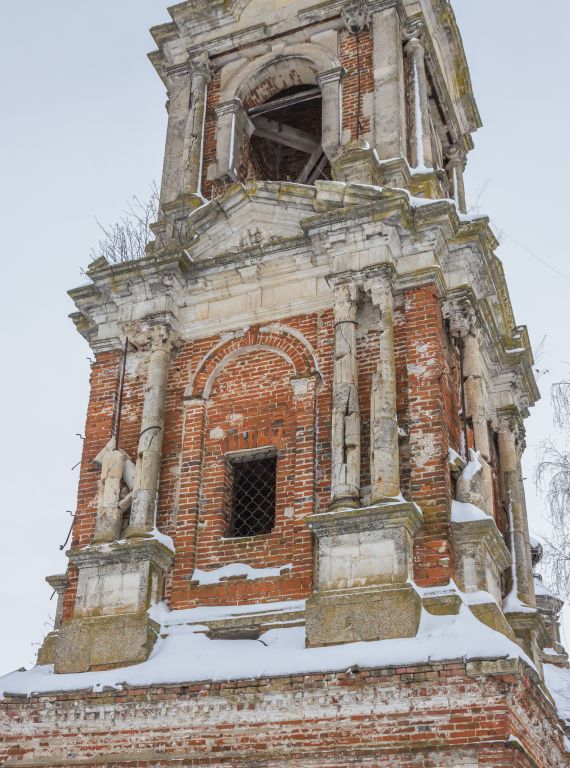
(82, 130)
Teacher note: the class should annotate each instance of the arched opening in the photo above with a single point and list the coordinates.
(286, 144)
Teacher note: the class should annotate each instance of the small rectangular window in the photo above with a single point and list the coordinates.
(253, 484)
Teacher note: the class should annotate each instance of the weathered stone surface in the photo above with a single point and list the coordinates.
(383, 613)
(103, 642)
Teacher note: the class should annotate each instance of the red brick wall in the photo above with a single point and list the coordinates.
(429, 409)
(209, 189)
(431, 716)
(251, 403)
(348, 59)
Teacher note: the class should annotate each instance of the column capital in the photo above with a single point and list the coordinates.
(455, 156)
(462, 317)
(414, 36)
(152, 336)
(331, 76)
(379, 286)
(510, 422)
(200, 65)
(345, 301)
(356, 16)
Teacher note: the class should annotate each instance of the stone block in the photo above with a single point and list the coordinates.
(352, 616)
(363, 547)
(482, 556)
(46, 653)
(443, 604)
(104, 642)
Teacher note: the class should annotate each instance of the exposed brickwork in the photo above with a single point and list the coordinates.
(209, 188)
(433, 716)
(252, 404)
(351, 86)
(429, 404)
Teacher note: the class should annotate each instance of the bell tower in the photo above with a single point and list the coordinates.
(317, 361)
(307, 407)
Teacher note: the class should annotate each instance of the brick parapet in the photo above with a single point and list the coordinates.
(443, 715)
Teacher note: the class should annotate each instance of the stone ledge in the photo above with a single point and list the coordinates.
(380, 516)
(122, 551)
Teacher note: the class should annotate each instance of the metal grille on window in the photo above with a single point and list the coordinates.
(253, 478)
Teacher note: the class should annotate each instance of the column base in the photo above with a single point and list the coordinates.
(427, 185)
(381, 613)
(104, 642)
(481, 554)
(357, 164)
(117, 583)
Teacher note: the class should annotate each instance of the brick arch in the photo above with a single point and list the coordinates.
(287, 343)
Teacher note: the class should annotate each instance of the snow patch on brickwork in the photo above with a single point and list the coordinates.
(238, 570)
(183, 653)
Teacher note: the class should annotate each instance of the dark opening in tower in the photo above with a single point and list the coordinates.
(287, 142)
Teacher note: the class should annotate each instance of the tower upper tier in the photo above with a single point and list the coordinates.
(368, 91)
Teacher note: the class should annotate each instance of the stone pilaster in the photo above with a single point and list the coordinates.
(345, 483)
(233, 128)
(384, 452)
(455, 167)
(465, 328)
(509, 435)
(113, 503)
(420, 128)
(160, 340)
(390, 134)
(331, 87)
(178, 107)
(201, 75)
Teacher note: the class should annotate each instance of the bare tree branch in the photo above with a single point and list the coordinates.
(552, 477)
(127, 239)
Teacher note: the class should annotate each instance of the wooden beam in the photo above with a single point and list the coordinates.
(318, 169)
(286, 101)
(285, 134)
(311, 162)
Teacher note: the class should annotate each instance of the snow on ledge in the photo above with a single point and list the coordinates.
(163, 539)
(512, 604)
(466, 513)
(184, 654)
(238, 570)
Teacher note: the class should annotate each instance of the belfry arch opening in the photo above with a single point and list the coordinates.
(286, 144)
